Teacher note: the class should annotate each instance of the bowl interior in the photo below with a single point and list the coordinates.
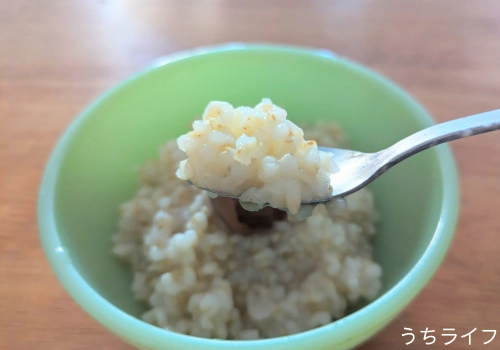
(127, 126)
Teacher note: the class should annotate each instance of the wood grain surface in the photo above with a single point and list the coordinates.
(57, 56)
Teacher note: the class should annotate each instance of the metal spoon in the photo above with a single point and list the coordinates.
(357, 169)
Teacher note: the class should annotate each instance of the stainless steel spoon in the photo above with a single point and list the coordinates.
(357, 169)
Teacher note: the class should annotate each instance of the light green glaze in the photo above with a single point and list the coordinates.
(90, 174)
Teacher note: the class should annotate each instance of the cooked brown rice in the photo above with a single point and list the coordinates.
(200, 279)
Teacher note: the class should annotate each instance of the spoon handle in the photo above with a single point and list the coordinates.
(440, 133)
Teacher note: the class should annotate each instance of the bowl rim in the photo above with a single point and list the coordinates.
(130, 327)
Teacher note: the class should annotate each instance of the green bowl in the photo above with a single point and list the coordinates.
(91, 172)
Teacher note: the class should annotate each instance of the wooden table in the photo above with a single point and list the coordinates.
(56, 56)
